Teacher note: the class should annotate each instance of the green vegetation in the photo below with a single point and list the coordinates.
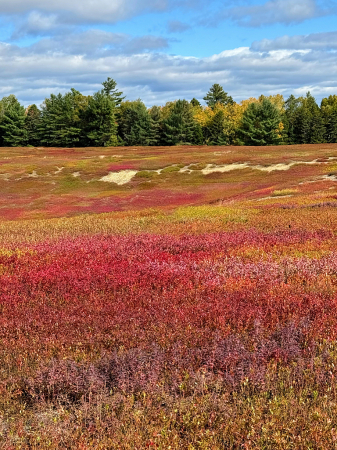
(260, 124)
(106, 119)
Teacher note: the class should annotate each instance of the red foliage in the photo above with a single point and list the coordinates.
(182, 302)
(122, 166)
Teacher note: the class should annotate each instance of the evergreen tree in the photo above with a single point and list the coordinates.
(60, 124)
(109, 88)
(198, 138)
(290, 120)
(309, 122)
(195, 102)
(98, 121)
(331, 126)
(12, 125)
(156, 124)
(215, 130)
(179, 126)
(216, 94)
(136, 126)
(32, 125)
(260, 124)
(318, 129)
(329, 114)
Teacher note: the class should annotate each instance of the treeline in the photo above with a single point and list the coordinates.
(107, 119)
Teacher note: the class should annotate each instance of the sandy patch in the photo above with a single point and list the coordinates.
(329, 177)
(211, 168)
(5, 176)
(283, 166)
(273, 167)
(186, 169)
(122, 177)
(125, 176)
(33, 174)
(76, 174)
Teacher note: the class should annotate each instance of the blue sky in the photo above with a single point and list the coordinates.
(161, 50)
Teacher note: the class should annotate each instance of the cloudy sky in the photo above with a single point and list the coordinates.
(160, 50)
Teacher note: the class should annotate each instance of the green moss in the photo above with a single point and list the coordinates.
(171, 169)
(146, 174)
(198, 166)
(68, 183)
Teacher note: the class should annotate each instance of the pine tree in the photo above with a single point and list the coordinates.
(135, 124)
(215, 95)
(331, 126)
(304, 124)
(198, 138)
(32, 124)
(12, 125)
(318, 129)
(309, 121)
(260, 124)
(98, 121)
(109, 88)
(60, 124)
(195, 102)
(179, 126)
(290, 120)
(156, 125)
(329, 114)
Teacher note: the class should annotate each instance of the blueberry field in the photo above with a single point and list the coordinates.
(168, 298)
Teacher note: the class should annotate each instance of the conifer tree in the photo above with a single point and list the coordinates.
(260, 124)
(60, 124)
(216, 94)
(110, 89)
(195, 102)
(12, 116)
(318, 129)
(179, 126)
(135, 124)
(198, 138)
(329, 114)
(331, 126)
(98, 121)
(290, 120)
(156, 124)
(310, 123)
(32, 124)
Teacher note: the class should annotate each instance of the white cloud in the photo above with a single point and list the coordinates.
(158, 77)
(97, 43)
(275, 11)
(317, 41)
(90, 11)
(38, 24)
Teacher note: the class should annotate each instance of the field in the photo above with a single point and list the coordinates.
(168, 298)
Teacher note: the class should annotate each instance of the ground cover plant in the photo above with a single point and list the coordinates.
(171, 325)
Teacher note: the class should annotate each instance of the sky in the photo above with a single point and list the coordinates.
(162, 50)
